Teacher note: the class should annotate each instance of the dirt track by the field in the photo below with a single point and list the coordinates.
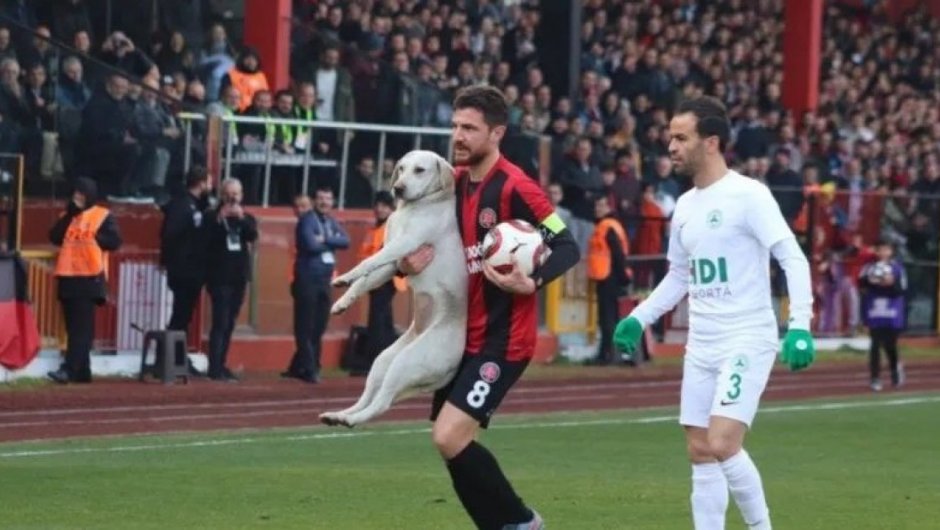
(116, 407)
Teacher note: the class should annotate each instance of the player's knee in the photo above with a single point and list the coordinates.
(450, 438)
(699, 451)
(722, 446)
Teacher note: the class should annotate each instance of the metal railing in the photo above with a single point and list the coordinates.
(41, 289)
(231, 155)
(137, 294)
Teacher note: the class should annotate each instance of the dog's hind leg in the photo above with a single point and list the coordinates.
(363, 285)
(374, 380)
(401, 378)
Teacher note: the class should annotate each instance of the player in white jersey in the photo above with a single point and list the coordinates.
(722, 234)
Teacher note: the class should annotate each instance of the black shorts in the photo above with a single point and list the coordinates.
(481, 383)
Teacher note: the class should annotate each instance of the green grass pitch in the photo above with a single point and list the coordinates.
(867, 463)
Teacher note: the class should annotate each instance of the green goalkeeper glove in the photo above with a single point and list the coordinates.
(627, 335)
(798, 349)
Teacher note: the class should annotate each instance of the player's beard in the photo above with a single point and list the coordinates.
(691, 162)
(471, 158)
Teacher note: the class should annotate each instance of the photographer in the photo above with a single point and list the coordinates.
(231, 232)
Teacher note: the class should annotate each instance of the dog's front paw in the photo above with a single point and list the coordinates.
(340, 306)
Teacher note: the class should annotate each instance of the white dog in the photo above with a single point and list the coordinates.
(426, 356)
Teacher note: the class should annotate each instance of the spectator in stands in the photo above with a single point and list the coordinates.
(171, 57)
(85, 234)
(68, 17)
(71, 90)
(786, 185)
(215, 60)
(157, 134)
(7, 50)
(183, 247)
(41, 52)
(607, 268)
(557, 195)
(40, 98)
(334, 88)
(667, 188)
(15, 106)
(581, 181)
(359, 184)
(231, 233)
(252, 138)
(247, 77)
(318, 237)
(107, 149)
(20, 13)
(183, 17)
(119, 51)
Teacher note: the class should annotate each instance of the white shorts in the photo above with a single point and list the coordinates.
(728, 382)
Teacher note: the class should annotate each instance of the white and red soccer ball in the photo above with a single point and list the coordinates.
(517, 240)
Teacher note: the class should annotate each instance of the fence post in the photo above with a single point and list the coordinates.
(342, 171)
(188, 145)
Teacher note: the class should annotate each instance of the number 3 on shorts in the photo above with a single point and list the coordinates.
(477, 396)
(735, 386)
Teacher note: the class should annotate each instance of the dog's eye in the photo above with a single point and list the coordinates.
(419, 170)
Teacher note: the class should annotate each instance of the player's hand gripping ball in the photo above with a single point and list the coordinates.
(514, 239)
(798, 349)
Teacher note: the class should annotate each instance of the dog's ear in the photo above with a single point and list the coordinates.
(396, 171)
(445, 172)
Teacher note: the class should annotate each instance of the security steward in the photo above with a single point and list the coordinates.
(380, 329)
(85, 234)
(183, 248)
(318, 236)
(606, 266)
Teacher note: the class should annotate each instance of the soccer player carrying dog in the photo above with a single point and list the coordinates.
(502, 318)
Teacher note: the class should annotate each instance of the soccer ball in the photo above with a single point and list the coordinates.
(878, 271)
(514, 239)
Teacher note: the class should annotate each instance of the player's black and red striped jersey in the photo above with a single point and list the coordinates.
(499, 323)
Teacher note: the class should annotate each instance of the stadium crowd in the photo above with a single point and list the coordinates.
(873, 142)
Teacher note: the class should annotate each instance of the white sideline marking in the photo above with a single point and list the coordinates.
(399, 432)
(781, 381)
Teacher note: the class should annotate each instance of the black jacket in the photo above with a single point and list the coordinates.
(183, 238)
(224, 266)
(108, 238)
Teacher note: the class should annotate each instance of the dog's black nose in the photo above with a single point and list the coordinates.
(399, 191)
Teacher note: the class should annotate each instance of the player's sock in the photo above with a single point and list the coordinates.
(499, 493)
(745, 485)
(462, 473)
(709, 496)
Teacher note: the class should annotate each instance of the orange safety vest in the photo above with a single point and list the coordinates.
(247, 84)
(598, 258)
(372, 243)
(80, 254)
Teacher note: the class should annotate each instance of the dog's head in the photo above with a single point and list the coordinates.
(421, 173)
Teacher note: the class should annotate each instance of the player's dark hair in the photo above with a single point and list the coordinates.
(711, 116)
(488, 100)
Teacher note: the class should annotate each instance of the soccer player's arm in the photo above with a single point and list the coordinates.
(673, 287)
(529, 203)
(766, 223)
